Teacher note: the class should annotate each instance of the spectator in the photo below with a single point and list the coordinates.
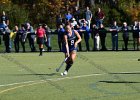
(59, 20)
(60, 31)
(48, 34)
(6, 39)
(4, 18)
(16, 40)
(138, 46)
(12, 37)
(88, 16)
(82, 21)
(2, 28)
(77, 28)
(135, 34)
(40, 32)
(125, 35)
(77, 14)
(68, 16)
(114, 34)
(85, 29)
(99, 17)
(22, 36)
(31, 36)
(73, 22)
(95, 37)
(102, 34)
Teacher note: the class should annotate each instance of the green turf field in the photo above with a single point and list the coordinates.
(94, 76)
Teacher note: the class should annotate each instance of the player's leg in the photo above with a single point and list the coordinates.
(69, 62)
(40, 42)
(40, 48)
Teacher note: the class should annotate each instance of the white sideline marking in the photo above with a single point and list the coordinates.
(57, 79)
(53, 79)
(4, 85)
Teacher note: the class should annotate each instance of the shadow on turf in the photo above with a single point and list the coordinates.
(118, 82)
(51, 74)
(126, 73)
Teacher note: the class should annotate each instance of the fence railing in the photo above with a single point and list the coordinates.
(55, 47)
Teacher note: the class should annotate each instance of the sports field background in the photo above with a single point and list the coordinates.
(94, 76)
(55, 47)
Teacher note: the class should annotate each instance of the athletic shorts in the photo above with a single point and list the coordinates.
(70, 49)
(40, 40)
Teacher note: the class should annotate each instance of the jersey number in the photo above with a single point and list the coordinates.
(72, 42)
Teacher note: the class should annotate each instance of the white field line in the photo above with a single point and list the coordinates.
(63, 78)
(53, 79)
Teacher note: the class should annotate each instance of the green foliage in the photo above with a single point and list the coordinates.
(16, 13)
(113, 14)
(45, 11)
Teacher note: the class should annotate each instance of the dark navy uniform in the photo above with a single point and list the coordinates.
(6, 39)
(16, 40)
(2, 29)
(22, 37)
(102, 34)
(60, 33)
(125, 36)
(71, 42)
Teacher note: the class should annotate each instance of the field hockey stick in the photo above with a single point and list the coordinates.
(57, 69)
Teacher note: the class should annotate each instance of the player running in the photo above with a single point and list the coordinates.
(71, 40)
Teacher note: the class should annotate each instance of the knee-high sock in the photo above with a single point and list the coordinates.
(69, 65)
(40, 51)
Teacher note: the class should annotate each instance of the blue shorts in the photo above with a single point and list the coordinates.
(70, 49)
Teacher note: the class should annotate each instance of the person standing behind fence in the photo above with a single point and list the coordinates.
(2, 28)
(68, 16)
(60, 32)
(125, 35)
(48, 34)
(85, 29)
(77, 28)
(135, 34)
(59, 20)
(40, 33)
(76, 14)
(99, 17)
(31, 36)
(22, 36)
(138, 36)
(16, 39)
(4, 18)
(6, 39)
(95, 37)
(88, 16)
(114, 34)
(102, 34)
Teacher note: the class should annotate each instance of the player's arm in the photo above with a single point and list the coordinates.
(66, 44)
(79, 38)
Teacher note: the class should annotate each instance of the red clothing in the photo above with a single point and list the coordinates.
(40, 32)
(99, 15)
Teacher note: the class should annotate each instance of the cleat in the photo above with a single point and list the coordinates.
(64, 73)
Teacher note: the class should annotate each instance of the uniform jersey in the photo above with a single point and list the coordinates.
(71, 42)
(40, 32)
